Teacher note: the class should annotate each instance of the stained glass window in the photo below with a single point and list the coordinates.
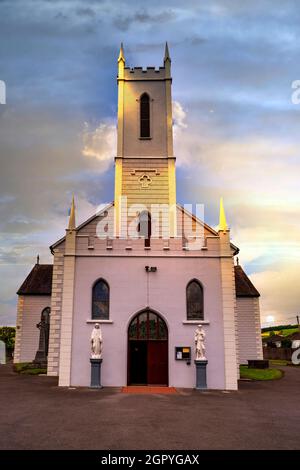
(100, 303)
(147, 325)
(194, 301)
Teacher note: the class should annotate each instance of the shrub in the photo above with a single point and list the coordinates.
(28, 368)
(7, 334)
(286, 343)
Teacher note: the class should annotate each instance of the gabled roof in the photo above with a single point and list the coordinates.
(179, 206)
(243, 285)
(207, 227)
(105, 208)
(196, 219)
(38, 281)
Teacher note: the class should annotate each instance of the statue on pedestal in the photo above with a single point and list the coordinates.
(199, 343)
(96, 342)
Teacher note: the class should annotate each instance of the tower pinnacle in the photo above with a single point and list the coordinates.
(167, 54)
(121, 54)
(72, 224)
(222, 219)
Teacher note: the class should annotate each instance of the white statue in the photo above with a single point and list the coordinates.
(96, 342)
(199, 343)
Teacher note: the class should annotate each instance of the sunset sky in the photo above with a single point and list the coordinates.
(237, 132)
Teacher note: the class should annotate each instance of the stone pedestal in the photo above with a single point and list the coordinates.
(96, 373)
(201, 374)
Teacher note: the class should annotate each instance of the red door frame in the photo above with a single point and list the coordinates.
(148, 340)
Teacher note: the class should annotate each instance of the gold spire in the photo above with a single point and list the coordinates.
(121, 54)
(167, 54)
(72, 224)
(222, 220)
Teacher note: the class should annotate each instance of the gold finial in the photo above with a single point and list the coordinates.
(72, 224)
(222, 220)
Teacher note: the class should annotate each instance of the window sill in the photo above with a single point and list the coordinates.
(196, 322)
(99, 321)
(145, 138)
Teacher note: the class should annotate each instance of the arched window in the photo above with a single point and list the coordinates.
(194, 300)
(147, 325)
(144, 226)
(145, 116)
(100, 300)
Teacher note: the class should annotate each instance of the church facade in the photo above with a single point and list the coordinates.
(145, 268)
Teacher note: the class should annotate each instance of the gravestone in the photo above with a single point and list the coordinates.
(43, 326)
(2, 352)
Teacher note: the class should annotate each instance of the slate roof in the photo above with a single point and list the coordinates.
(243, 285)
(38, 281)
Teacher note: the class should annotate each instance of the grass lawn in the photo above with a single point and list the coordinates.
(279, 362)
(260, 374)
(286, 332)
(28, 368)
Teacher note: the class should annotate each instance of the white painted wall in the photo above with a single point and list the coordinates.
(249, 329)
(167, 296)
(27, 332)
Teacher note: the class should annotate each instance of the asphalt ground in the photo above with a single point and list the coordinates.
(36, 414)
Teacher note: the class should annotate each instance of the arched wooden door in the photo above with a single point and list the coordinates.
(147, 350)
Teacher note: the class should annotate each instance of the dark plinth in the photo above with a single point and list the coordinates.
(40, 359)
(258, 364)
(201, 374)
(96, 373)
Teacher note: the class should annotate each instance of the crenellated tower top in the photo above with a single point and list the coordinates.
(145, 165)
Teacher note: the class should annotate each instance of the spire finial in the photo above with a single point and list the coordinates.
(72, 224)
(121, 54)
(167, 54)
(38, 259)
(222, 220)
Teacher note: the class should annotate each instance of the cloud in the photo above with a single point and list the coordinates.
(100, 143)
(236, 132)
(143, 17)
(179, 117)
(86, 11)
(280, 292)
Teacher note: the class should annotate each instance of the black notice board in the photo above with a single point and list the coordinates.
(182, 353)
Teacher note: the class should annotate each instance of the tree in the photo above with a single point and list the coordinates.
(7, 334)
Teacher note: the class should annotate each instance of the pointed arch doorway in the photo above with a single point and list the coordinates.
(147, 350)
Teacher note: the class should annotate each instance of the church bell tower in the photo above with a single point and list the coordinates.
(145, 164)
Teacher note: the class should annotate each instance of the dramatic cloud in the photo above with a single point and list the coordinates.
(280, 291)
(100, 143)
(236, 130)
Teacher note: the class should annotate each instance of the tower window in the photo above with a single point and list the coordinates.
(145, 116)
(144, 227)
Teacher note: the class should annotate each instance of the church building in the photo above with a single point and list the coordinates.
(145, 268)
